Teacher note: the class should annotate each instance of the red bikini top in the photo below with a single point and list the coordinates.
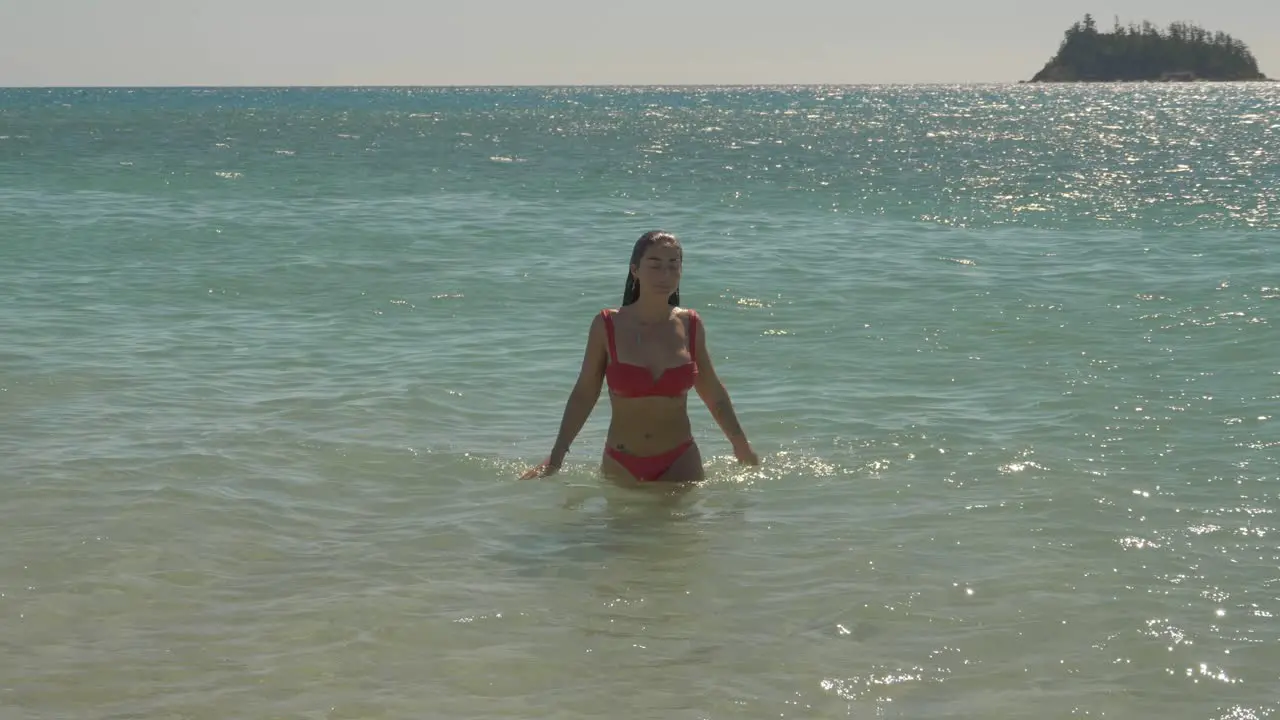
(629, 380)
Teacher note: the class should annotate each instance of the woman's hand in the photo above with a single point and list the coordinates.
(536, 471)
(547, 468)
(745, 454)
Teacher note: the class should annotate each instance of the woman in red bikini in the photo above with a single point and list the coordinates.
(651, 352)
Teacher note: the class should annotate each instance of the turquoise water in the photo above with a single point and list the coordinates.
(273, 360)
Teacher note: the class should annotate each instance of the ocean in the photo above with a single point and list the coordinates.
(274, 358)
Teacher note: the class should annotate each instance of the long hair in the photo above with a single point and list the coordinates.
(631, 291)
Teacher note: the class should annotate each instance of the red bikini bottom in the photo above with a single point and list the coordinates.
(648, 468)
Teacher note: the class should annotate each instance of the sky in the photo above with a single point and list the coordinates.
(569, 42)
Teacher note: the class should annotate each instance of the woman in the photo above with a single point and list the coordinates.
(651, 353)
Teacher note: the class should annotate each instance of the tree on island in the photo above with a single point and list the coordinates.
(1182, 52)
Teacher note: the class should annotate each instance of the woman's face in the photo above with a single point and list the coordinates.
(659, 269)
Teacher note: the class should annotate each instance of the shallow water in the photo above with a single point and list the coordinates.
(274, 359)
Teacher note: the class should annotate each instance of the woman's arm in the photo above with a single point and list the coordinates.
(585, 393)
(713, 394)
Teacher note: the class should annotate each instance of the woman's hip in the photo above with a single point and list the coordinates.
(681, 461)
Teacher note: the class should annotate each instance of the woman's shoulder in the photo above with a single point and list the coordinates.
(685, 313)
(603, 318)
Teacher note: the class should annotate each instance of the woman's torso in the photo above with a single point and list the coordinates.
(651, 370)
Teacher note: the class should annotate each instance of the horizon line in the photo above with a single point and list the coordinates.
(285, 86)
(695, 85)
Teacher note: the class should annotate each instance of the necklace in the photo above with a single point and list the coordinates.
(642, 327)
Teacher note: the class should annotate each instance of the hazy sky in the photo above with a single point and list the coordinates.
(519, 42)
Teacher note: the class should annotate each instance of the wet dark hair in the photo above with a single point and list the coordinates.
(631, 292)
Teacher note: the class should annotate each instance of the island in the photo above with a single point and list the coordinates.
(1183, 52)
